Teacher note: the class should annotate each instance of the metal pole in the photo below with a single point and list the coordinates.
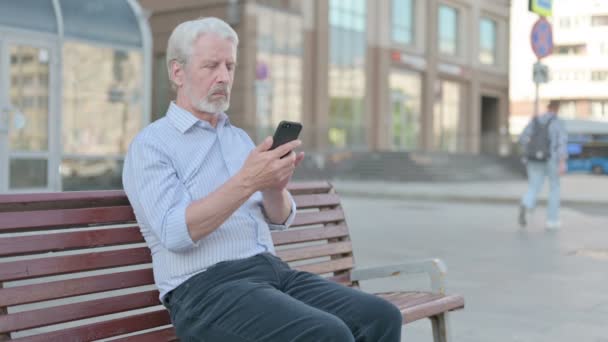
(536, 86)
(536, 98)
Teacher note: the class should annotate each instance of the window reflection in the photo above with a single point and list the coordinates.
(402, 21)
(446, 116)
(404, 119)
(346, 73)
(448, 30)
(487, 41)
(27, 173)
(29, 98)
(91, 173)
(102, 100)
(279, 68)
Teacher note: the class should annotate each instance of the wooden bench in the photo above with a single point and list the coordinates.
(74, 266)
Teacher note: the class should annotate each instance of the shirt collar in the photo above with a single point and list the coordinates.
(183, 120)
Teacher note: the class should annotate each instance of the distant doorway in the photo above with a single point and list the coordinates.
(489, 134)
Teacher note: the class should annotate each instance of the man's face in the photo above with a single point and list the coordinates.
(209, 73)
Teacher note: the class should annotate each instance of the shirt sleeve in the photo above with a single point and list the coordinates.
(562, 140)
(156, 193)
(289, 220)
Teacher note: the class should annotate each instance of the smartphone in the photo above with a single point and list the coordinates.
(286, 131)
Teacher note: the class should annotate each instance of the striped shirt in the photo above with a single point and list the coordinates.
(179, 159)
(557, 136)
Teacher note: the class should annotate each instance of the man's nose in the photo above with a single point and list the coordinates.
(223, 75)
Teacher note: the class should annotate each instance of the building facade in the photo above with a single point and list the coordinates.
(578, 67)
(400, 75)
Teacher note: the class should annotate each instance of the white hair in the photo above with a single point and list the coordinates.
(179, 47)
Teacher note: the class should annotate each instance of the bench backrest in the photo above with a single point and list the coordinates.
(74, 266)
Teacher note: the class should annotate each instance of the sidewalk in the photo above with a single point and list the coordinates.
(575, 189)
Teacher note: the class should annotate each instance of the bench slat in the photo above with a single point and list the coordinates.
(163, 335)
(418, 305)
(71, 312)
(319, 217)
(95, 331)
(343, 279)
(327, 266)
(87, 196)
(25, 269)
(315, 187)
(20, 245)
(315, 251)
(63, 200)
(74, 287)
(316, 200)
(309, 234)
(44, 219)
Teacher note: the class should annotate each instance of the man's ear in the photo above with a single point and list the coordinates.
(177, 73)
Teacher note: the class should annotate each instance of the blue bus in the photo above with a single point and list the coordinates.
(587, 146)
(588, 157)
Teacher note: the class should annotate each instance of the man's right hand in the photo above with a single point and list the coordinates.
(265, 168)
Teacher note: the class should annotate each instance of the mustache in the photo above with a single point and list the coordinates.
(220, 88)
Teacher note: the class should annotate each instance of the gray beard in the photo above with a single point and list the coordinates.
(211, 107)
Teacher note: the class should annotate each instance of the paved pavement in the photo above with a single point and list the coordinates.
(519, 285)
(576, 189)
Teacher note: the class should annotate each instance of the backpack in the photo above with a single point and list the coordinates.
(538, 147)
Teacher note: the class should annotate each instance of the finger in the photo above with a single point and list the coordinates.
(287, 161)
(299, 158)
(286, 148)
(264, 145)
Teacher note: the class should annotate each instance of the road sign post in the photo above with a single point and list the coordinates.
(541, 40)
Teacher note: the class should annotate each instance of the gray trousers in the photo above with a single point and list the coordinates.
(262, 299)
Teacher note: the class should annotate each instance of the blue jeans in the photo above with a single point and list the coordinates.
(537, 171)
(262, 299)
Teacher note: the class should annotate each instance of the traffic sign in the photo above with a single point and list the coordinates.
(541, 7)
(542, 38)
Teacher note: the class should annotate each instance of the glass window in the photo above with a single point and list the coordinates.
(403, 21)
(162, 87)
(347, 73)
(279, 69)
(29, 98)
(571, 49)
(404, 118)
(599, 20)
(102, 99)
(99, 173)
(447, 115)
(567, 109)
(108, 21)
(487, 41)
(599, 110)
(599, 76)
(29, 14)
(28, 173)
(448, 30)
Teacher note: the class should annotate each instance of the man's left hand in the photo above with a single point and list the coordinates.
(282, 185)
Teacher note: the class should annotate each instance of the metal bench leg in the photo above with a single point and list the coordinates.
(440, 326)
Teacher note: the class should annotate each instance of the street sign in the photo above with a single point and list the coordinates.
(542, 38)
(540, 73)
(541, 7)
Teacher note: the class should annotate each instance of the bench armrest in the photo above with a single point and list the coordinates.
(435, 268)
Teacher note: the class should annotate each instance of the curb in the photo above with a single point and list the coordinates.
(459, 198)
